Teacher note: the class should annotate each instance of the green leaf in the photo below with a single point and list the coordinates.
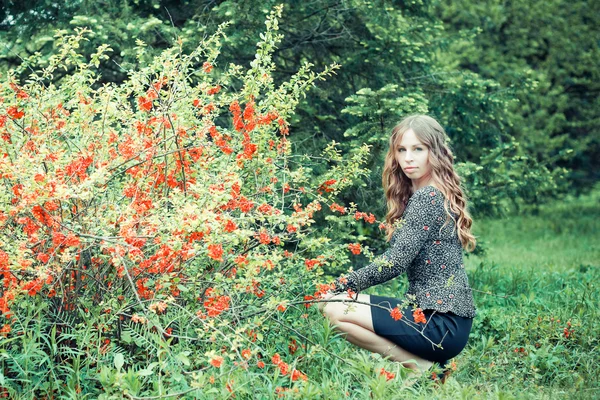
(119, 361)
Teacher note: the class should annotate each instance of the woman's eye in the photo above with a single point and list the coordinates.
(400, 150)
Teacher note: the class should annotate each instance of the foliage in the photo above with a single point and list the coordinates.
(546, 53)
(160, 226)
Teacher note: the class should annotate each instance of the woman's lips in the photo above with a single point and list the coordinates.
(408, 169)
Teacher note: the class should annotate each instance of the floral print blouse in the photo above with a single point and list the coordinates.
(430, 255)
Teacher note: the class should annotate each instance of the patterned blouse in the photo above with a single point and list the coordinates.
(431, 257)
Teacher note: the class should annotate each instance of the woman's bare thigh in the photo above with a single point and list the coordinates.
(355, 313)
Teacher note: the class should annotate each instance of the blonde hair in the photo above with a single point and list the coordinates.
(398, 187)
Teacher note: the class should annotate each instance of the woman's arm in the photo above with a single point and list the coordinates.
(420, 218)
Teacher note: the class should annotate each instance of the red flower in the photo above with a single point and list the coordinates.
(308, 298)
(291, 228)
(276, 359)
(230, 226)
(213, 90)
(396, 313)
(419, 317)
(354, 248)
(338, 208)
(310, 264)
(246, 353)
(14, 112)
(215, 251)
(216, 361)
(215, 305)
(284, 368)
(144, 103)
(260, 364)
(207, 67)
(298, 375)
(43, 257)
(388, 375)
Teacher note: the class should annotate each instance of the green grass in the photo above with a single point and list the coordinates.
(564, 235)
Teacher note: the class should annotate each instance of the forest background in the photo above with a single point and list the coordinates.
(516, 86)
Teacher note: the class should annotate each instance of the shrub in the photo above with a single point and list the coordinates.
(157, 233)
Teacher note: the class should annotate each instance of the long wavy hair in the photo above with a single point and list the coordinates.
(398, 187)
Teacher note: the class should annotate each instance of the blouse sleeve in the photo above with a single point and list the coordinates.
(420, 218)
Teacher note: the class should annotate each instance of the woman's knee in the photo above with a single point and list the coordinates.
(333, 310)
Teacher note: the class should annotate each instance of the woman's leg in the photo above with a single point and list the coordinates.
(355, 321)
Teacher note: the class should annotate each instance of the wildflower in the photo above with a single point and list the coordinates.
(213, 90)
(5, 330)
(354, 248)
(216, 361)
(281, 308)
(230, 226)
(207, 67)
(310, 264)
(215, 305)
(418, 316)
(137, 319)
(260, 364)
(246, 353)
(276, 359)
(291, 228)
(159, 307)
(298, 375)
(388, 375)
(284, 368)
(396, 314)
(215, 251)
(144, 103)
(14, 112)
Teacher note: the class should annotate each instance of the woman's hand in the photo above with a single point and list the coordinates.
(326, 296)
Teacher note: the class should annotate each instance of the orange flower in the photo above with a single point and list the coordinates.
(298, 375)
(418, 316)
(230, 226)
(216, 361)
(144, 103)
(215, 251)
(291, 228)
(388, 375)
(396, 314)
(354, 248)
(276, 359)
(260, 364)
(14, 112)
(5, 330)
(281, 308)
(246, 353)
(284, 368)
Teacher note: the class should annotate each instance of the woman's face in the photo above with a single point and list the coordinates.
(413, 157)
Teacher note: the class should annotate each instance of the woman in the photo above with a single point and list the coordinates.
(424, 195)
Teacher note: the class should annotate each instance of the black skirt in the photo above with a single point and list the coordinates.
(447, 329)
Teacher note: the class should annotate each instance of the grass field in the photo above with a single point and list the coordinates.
(542, 272)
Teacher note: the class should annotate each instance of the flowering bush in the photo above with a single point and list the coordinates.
(159, 231)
